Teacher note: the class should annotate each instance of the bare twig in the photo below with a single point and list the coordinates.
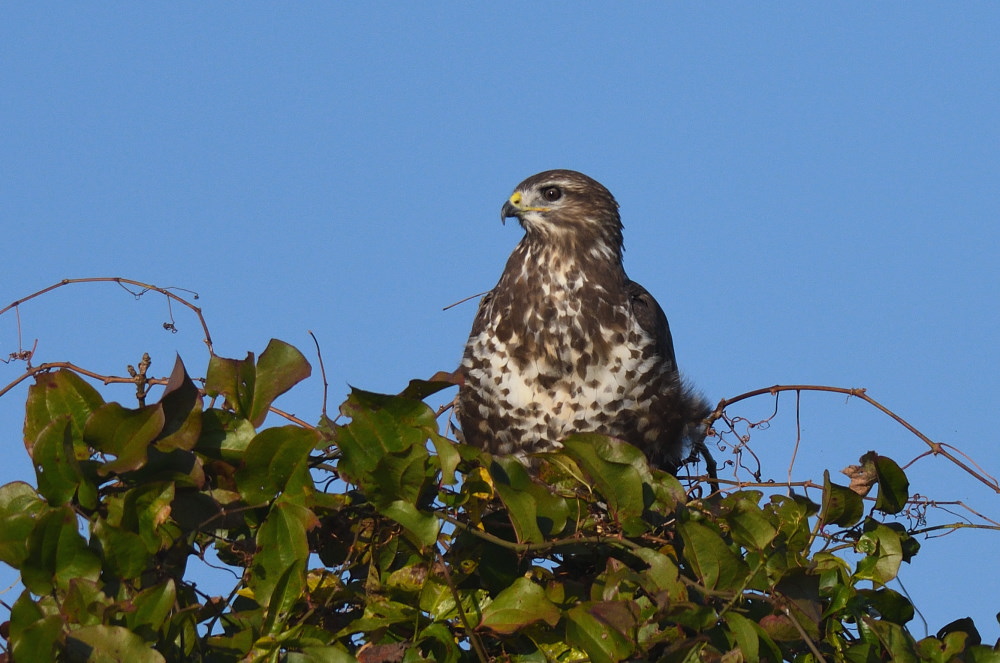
(322, 371)
(124, 283)
(936, 448)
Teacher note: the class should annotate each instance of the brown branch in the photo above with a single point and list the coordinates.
(936, 448)
(145, 287)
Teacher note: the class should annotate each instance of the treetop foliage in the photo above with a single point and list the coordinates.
(376, 538)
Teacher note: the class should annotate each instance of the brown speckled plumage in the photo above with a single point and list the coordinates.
(566, 342)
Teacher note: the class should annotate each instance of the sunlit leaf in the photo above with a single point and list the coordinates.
(280, 367)
(534, 509)
(884, 550)
(282, 549)
(110, 644)
(20, 508)
(602, 642)
(380, 425)
(56, 394)
(523, 603)
(618, 471)
(56, 467)
(235, 380)
(277, 461)
(748, 524)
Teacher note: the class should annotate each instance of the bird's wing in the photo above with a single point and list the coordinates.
(652, 319)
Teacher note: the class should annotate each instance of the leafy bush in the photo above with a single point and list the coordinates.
(378, 539)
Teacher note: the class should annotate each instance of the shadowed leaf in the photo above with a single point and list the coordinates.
(123, 433)
(57, 554)
(841, 505)
(712, 560)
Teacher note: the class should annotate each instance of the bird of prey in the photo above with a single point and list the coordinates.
(566, 343)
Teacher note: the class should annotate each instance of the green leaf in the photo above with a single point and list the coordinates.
(281, 545)
(57, 553)
(57, 394)
(123, 433)
(534, 509)
(56, 468)
(147, 510)
(85, 603)
(602, 642)
(889, 604)
(152, 607)
(109, 644)
(280, 367)
(125, 554)
(33, 634)
(884, 549)
(424, 526)
(618, 471)
(523, 603)
(320, 655)
(20, 508)
(235, 380)
(181, 405)
(224, 435)
(893, 486)
(662, 574)
(743, 635)
(380, 425)
(841, 505)
(277, 461)
(712, 560)
(748, 524)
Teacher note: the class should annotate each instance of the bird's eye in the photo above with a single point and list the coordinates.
(552, 193)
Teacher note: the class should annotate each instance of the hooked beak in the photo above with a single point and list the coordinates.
(508, 211)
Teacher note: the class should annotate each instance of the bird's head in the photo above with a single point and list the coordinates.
(566, 206)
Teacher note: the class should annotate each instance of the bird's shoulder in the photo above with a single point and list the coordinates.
(651, 318)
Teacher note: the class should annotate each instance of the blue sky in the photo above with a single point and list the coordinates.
(811, 192)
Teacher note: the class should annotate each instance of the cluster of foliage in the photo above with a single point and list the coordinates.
(379, 540)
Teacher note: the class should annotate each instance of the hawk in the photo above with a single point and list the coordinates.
(566, 343)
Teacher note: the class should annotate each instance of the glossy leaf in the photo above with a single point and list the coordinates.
(277, 461)
(534, 510)
(57, 394)
(523, 603)
(110, 644)
(591, 633)
(279, 368)
(56, 467)
(893, 486)
(282, 550)
(884, 549)
(20, 508)
(380, 425)
(618, 471)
